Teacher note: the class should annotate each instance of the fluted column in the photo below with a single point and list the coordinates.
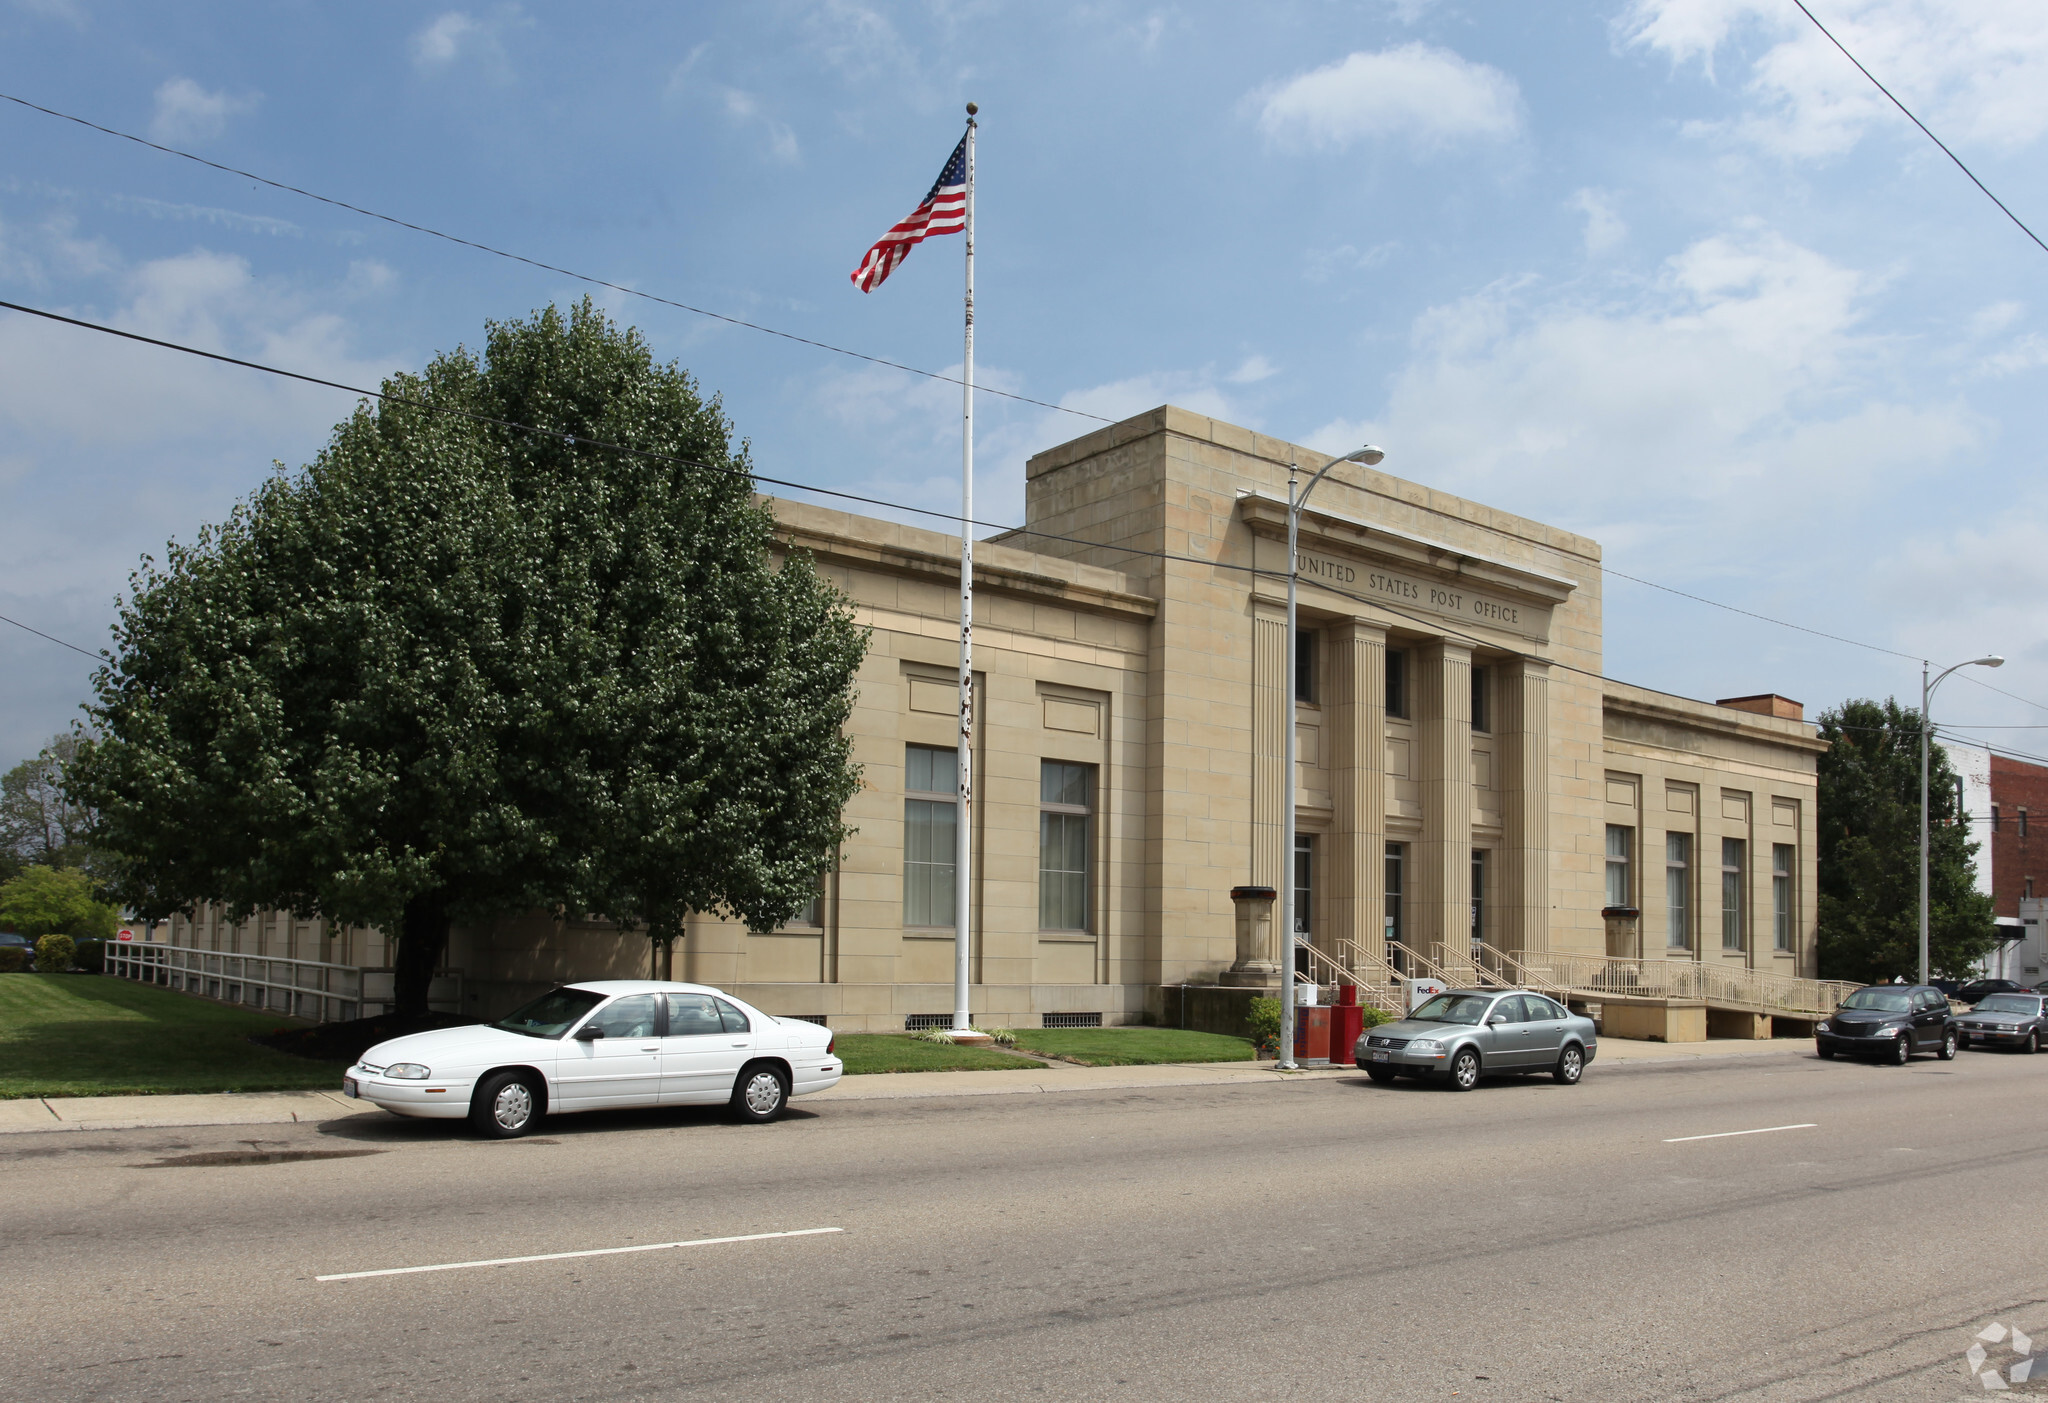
(1356, 719)
(1443, 859)
(1272, 712)
(1523, 697)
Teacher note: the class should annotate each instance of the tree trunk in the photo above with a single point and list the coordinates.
(423, 939)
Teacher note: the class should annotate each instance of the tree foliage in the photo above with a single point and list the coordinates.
(55, 901)
(39, 822)
(454, 670)
(1868, 823)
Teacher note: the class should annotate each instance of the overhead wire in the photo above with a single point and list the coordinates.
(1920, 124)
(790, 336)
(1434, 624)
(591, 279)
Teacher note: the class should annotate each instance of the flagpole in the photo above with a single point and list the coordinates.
(963, 852)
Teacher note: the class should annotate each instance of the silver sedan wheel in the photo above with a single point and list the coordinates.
(1464, 1070)
(513, 1106)
(763, 1093)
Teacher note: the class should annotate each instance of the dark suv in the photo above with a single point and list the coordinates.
(1892, 1021)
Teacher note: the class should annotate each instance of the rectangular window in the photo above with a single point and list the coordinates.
(1781, 895)
(1397, 683)
(1994, 818)
(930, 792)
(1678, 890)
(1395, 852)
(2023, 825)
(1620, 850)
(1305, 664)
(812, 912)
(1478, 900)
(1065, 802)
(1734, 882)
(1482, 712)
(1304, 883)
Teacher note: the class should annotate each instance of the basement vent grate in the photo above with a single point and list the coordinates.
(1072, 1020)
(918, 1022)
(817, 1018)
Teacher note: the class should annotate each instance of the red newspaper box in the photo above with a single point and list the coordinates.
(1347, 1021)
(1312, 1034)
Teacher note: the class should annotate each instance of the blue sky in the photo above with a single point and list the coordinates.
(1667, 272)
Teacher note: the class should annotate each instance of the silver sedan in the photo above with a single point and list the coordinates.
(1461, 1035)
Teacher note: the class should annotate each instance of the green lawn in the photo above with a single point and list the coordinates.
(899, 1052)
(1129, 1047)
(93, 1035)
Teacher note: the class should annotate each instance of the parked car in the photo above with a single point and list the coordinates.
(9, 940)
(1977, 988)
(1461, 1035)
(599, 1045)
(2006, 1020)
(1947, 986)
(1892, 1021)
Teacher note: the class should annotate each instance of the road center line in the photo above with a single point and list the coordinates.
(1725, 1134)
(592, 1252)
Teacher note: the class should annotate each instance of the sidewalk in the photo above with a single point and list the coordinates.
(305, 1107)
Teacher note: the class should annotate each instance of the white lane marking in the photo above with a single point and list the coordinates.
(592, 1252)
(1803, 1125)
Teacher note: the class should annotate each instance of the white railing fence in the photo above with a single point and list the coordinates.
(310, 989)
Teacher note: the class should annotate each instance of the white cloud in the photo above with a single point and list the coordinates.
(458, 36)
(1661, 419)
(442, 41)
(186, 112)
(746, 110)
(1252, 370)
(1604, 227)
(1978, 74)
(1417, 93)
(1320, 265)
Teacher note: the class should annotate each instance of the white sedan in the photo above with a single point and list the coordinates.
(597, 1045)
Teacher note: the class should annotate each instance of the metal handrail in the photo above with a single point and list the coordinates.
(1380, 996)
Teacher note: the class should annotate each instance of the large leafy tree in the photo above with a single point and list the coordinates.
(39, 823)
(457, 668)
(1868, 823)
(55, 901)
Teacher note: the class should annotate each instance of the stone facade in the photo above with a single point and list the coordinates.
(1461, 761)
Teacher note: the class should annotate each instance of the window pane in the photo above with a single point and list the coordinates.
(1304, 883)
(1732, 872)
(1305, 664)
(690, 1015)
(928, 840)
(1781, 894)
(1620, 890)
(1061, 783)
(1393, 911)
(1678, 889)
(1063, 872)
(1397, 682)
(734, 1020)
(631, 1017)
(930, 770)
(1481, 717)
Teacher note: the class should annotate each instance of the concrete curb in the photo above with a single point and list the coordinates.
(31, 1115)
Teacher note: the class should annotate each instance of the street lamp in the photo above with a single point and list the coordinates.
(1368, 455)
(1926, 697)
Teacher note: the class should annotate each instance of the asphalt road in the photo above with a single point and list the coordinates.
(1327, 1239)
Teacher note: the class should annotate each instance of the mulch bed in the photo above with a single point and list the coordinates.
(347, 1042)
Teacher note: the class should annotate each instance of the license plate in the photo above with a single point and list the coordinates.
(348, 1087)
(1376, 1056)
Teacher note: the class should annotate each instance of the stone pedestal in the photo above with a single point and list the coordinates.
(1258, 959)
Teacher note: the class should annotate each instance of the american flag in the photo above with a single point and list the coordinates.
(944, 211)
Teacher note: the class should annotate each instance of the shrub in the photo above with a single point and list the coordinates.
(91, 956)
(13, 959)
(933, 1035)
(53, 954)
(1005, 1037)
(1265, 1026)
(1373, 1017)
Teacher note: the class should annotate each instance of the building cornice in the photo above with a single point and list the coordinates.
(1267, 517)
(907, 551)
(1704, 716)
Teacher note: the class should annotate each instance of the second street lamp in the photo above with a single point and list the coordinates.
(1368, 455)
(1926, 697)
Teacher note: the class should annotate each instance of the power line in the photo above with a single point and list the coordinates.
(2001, 691)
(581, 441)
(1701, 599)
(537, 263)
(1922, 125)
(51, 636)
